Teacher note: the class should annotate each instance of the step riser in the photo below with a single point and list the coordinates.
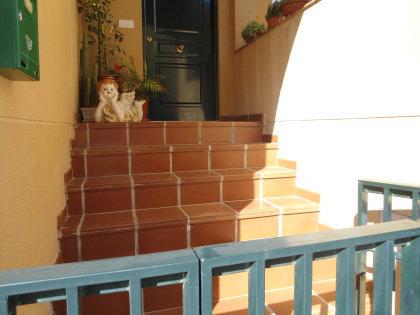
(122, 199)
(203, 234)
(160, 162)
(156, 133)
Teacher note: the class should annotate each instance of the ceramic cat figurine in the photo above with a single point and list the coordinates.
(111, 110)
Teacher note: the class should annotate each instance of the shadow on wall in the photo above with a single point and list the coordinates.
(260, 68)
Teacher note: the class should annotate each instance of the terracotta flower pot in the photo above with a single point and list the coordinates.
(146, 111)
(88, 113)
(292, 6)
(274, 21)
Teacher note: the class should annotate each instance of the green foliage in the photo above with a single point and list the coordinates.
(103, 33)
(146, 87)
(273, 10)
(252, 30)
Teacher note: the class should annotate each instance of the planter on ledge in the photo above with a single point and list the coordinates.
(292, 6)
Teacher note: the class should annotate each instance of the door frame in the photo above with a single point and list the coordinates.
(215, 39)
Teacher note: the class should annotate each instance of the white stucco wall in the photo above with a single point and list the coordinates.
(349, 107)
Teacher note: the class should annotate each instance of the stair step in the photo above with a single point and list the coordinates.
(141, 191)
(166, 133)
(143, 231)
(103, 161)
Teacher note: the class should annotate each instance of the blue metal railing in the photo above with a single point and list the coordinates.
(387, 190)
(195, 269)
(71, 281)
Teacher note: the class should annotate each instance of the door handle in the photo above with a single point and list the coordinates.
(149, 39)
(180, 49)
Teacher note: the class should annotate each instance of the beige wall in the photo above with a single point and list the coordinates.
(246, 11)
(35, 128)
(132, 44)
(347, 105)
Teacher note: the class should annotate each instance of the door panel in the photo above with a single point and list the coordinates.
(181, 48)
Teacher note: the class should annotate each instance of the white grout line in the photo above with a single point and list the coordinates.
(236, 220)
(85, 162)
(269, 309)
(221, 183)
(134, 213)
(246, 156)
(199, 132)
(133, 202)
(178, 189)
(87, 135)
(82, 219)
(331, 308)
(164, 132)
(171, 150)
(183, 211)
(281, 210)
(209, 158)
(127, 134)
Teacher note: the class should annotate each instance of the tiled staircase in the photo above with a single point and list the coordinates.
(148, 187)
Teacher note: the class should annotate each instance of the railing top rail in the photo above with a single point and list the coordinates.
(376, 186)
(313, 243)
(118, 269)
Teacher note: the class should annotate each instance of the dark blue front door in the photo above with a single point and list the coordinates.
(179, 40)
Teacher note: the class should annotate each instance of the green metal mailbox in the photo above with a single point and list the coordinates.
(19, 47)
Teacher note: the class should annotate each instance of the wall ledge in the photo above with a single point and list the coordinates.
(288, 18)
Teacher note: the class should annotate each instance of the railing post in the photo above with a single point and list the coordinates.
(206, 289)
(136, 296)
(410, 278)
(362, 219)
(387, 205)
(256, 288)
(415, 213)
(345, 282)
(303, 285)
(191, 292)
(72, 301)
(383, 277)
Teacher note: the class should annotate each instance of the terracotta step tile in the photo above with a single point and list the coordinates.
(256, 219)
(188, 158)
(262, 155)
(217, 132)
(155, 190)
(162, 229)
(239, 184)
(248, 132)
(294, 204)
(199, 187)
(108, 235)
(211, 223)
(107, 134)
(182, 132)
(151, 133)
(281, 302)
(150, 159)
(68, 239)
(162, 298)
(101, 162)
(227, 156)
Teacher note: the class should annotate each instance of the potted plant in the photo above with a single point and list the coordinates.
(104, 35)
(274, 15)
(144, 87)
(288, 7)
(104, 39)
(252, 30)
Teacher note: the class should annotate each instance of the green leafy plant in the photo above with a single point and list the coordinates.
(103, 33)
(145, 87)
(273, 10)
(252, 30)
